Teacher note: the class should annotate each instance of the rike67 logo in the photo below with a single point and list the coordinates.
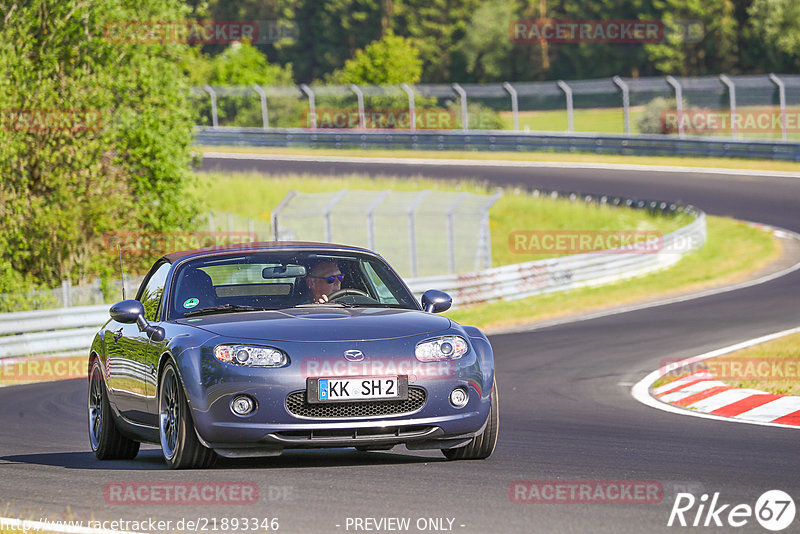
(774, 510)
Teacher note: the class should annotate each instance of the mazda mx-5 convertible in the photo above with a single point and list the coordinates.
(251, 349)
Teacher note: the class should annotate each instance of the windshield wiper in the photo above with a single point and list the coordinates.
(222, 308)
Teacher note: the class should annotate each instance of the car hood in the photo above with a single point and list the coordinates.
(319, 325)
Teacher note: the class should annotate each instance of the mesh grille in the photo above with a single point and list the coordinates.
(297, 405)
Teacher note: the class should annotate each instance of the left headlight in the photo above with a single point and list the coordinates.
(250, 356)
(441, 348)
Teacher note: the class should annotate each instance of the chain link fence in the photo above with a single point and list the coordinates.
(421, 233)
(760, 107)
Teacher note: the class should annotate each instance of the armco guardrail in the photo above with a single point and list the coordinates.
(643, 145)
(66, 330)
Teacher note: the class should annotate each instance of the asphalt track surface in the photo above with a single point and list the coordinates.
(566, 409)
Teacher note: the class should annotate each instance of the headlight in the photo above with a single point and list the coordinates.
(250, 356)
(441, 348)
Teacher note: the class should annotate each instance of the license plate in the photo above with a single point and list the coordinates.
(350, 389)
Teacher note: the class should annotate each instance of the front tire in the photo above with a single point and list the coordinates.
(179, 443)
(481, 446)
(105, 438)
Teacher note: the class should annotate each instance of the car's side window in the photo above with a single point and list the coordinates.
(152, 292)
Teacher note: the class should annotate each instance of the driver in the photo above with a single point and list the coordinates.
(325, 278)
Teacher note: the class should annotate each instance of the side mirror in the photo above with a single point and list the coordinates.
(127, 311)
(132, 311)
(434, 301)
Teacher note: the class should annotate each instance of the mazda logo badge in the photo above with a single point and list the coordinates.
(353, 355)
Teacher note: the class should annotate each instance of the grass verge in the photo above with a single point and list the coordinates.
(547, 157)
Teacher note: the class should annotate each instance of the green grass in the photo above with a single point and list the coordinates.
(548, 157)
(783, 352)
(255, 195)
(732, 251)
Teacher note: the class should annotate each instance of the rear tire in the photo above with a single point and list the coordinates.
(105, 438)
(179, 443)
(481, 446)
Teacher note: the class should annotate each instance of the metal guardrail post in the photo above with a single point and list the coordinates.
(462, 95)
(264, 115)
(211, 221)
(412, 235)
(732, 95)
(570, 111)
(328, 227)
(214, 119)
(676, 85)
(360, 96)
(312, 107)
(412, 108)
(66, 294)
(230, 224)
(782, 102)
(277, 211)
(514, 103)
(626, 102)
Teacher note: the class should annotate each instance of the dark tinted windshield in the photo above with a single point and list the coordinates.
(276, 280)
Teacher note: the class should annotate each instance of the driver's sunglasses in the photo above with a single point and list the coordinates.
(330, 279)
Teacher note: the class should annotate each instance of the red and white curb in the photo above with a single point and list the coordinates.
(701, 395)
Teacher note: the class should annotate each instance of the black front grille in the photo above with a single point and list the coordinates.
(297, 405)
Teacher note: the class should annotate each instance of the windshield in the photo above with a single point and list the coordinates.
(280, 280)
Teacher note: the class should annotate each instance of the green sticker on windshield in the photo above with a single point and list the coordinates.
(191, 303)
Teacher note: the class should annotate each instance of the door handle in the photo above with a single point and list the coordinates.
(117, 335)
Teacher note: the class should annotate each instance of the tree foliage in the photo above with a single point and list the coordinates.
(95, 138)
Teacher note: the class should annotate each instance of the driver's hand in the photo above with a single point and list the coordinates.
(323, 299)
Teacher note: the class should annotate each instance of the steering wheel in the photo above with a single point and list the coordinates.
(345, 292)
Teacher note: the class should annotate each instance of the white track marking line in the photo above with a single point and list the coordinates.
(694, 389)
(772, 410)
(641, 391)
(723, 398)
(503, 163)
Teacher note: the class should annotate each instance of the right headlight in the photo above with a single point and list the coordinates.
(441, 348)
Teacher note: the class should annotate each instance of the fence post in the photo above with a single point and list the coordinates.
(732, 95)
(66, 293)
(451, 242)
(462, 95)
(514, 103)
(277, 211)
(312, 107)
(412, 111)
(328, 230)
(570, 111)
(371, 218)
(264, 114)
(782, 102)
(214, 119)
(412, 236)
(211, 221)
(678, 103)
(230, 224)
(360, 96)
(626, 102)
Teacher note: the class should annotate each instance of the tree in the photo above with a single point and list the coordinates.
(96, 136)
(391, 60)
(776, 23)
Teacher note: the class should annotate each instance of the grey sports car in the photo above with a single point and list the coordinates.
(247, 350)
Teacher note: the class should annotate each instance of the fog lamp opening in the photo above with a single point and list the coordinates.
(243, 405)
(459, 397)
